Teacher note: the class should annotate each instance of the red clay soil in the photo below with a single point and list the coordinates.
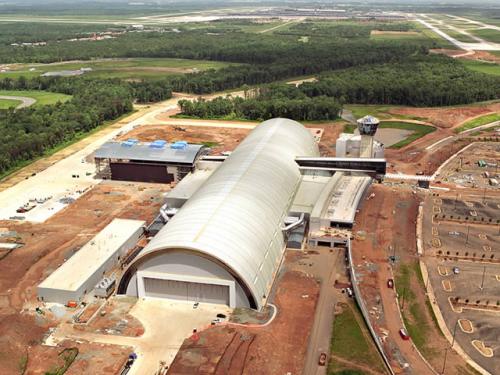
(478, 55)
(91, 359)
(278, 348)
(415, 158)
(224, 139)
(447, 117)
(116, 320)
(380, 219)
(46, 247)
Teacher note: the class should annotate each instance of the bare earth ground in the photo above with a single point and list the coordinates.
(45, 248)
(223, 138)
(92, 358)
(447, 117)
(477, 55)
(278, 348)
(377, 228)
(114, 318)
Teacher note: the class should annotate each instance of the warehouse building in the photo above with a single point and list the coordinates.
(80, 273)
(156, 161)
(226, 243)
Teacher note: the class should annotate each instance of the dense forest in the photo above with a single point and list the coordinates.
(28, 133)
(263, 108)
(433, 81)
(351, 68)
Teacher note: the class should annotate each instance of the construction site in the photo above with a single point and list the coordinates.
(242, 237)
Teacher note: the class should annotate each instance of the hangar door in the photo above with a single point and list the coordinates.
(186, 291)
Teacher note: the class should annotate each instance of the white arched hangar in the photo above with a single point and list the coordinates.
(226, 243)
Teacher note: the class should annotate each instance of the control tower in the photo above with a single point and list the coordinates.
(367, 127)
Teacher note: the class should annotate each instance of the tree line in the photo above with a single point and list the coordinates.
(263, 108)
(28, 133)
(418, 82)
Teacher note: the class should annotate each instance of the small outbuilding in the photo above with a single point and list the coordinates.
(80, 273)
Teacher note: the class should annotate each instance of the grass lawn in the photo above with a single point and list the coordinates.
(489, 35)
(418, 131)
(413, 312)
(482, 67)
(382, 112)
(483, 120)
(136, 68)
(7, 103)
(41, 97)
(352, 342)
(458, 36)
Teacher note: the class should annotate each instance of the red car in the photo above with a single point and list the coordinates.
(390, 283)
(322, 359)
(403, 334)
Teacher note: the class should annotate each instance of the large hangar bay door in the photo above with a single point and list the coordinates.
(186, 291)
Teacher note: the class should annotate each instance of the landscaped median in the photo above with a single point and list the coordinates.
(352, 348)
(478, 121)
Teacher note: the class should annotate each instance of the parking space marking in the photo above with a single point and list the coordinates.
(465, 325)
(436, 242)
(482, 236)
(453, 307)
(438, 201)
(435, 231)
(497, 277)
(486, 248)
(436, 209)
(443, 271)
(447, 286)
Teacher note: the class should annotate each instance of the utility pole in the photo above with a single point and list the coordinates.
(482, 280)
(444, 362)
(467, 236)
(484, 196)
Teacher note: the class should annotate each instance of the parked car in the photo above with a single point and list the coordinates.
(390, 283)
(456, 270)
(349, 292)
(404, 334)
(322, 359)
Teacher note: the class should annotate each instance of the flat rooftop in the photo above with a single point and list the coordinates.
(189, 185)
(144, 152)
(311, 187)
(346, 197)
(86, 261)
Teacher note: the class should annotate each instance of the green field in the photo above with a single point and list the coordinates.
(379, 111)
(41, 97)
(413, 312)
(418, 131)
(483, 67)
(489, 35)
(483, 120)
(137, 68)
(351, 341)
(458, 36)
(7, 103)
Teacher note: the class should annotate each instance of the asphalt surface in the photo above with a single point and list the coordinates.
(25, 101)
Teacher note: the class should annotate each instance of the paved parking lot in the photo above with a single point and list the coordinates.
(471, 293)
(466, 286)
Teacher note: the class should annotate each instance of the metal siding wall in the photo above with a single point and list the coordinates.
(140, 172)
(186, 291)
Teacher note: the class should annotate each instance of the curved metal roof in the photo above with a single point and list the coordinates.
(236, 216)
